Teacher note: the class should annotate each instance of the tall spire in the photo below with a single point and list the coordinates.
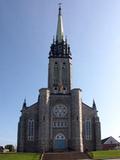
(60, 47)
(60, 32)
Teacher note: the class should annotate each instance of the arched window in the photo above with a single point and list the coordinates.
(30, 129)
(88, 129)
(64, 73)
(56, 73)
(60, 136)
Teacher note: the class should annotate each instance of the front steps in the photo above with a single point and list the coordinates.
(65, 156)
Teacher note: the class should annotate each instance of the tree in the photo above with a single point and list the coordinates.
(1, 148)
(10, 147)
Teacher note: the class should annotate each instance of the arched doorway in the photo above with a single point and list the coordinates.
(59, 142)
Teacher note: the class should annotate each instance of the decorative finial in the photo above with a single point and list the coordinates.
(24, 103)
(53, 39)
(25, 100)
(66, 39)
(94, 105)
(59, 8)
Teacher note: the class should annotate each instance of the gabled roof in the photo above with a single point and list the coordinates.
(84, 104)
(104, 140)
(109, 140)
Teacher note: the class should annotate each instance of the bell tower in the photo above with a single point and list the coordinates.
(59, 72)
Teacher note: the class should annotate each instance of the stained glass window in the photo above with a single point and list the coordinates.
(30, 129)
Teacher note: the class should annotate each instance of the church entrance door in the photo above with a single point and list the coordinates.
(59, 142)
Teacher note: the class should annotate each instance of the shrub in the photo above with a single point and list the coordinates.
(10, 147)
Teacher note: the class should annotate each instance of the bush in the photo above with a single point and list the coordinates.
(10, 147)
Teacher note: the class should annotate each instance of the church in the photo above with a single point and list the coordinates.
(59, 120)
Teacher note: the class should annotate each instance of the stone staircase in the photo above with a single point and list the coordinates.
(65, 156)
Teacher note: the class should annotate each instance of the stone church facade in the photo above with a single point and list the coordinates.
(59, 120)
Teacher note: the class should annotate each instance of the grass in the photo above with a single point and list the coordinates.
(105, 154)
(19, 156)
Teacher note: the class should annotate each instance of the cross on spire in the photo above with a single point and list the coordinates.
(59, 8)
(59, 5)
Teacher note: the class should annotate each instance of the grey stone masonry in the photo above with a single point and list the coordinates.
(43, 136)
(59, 120)
(77, 139)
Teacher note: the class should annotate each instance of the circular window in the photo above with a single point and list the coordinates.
(60, 110)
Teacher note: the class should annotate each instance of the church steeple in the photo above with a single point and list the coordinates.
(60, 47)
(59, 73)
(60, 31)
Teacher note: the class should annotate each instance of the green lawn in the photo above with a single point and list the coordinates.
(19, 156)
(105, 154)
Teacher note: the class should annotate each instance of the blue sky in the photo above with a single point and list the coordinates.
(26, 31)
